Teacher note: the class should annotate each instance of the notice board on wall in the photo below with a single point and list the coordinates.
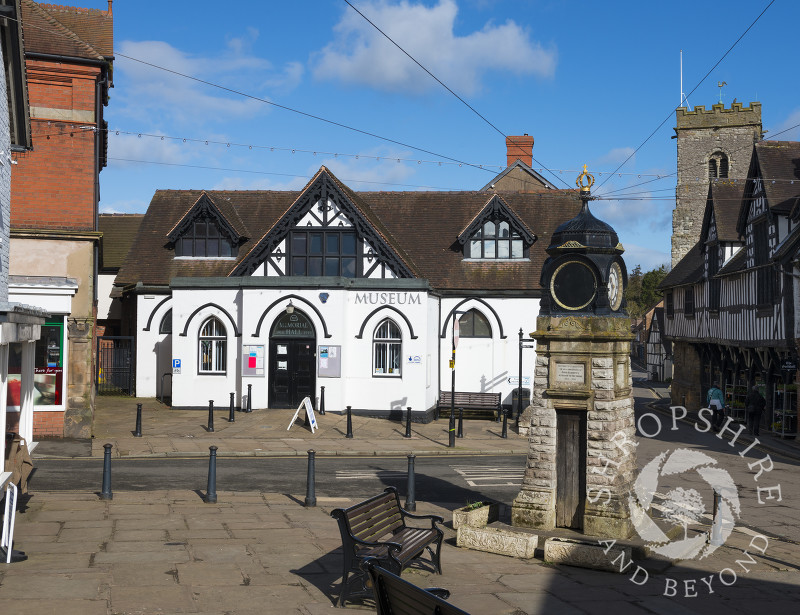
(329, 360)
(253, 361)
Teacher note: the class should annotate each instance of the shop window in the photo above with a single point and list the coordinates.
(166, 323)
(213, 345)
(48, 377)
(495, 240)
(204, 239)
(474, 324)
(386, 349)
(324, 253)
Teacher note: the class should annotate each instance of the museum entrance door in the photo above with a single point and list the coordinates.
(292, 360)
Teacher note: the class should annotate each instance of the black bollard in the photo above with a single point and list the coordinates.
(322, 400)
(210, 415)
(504, 433)
(137, 433)
(106, 494)
(408, 423)
(231, 417)
(249, 398)
(411, 502)
(349, 433)
(460, 433)
(211, 488)
(311, 497)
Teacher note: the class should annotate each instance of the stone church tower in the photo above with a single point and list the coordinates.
(711, 143)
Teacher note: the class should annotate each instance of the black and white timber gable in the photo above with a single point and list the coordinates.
(324, 233)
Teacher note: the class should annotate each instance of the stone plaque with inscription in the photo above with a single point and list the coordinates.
(571, 373)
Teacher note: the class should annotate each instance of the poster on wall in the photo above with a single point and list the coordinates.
(330, 361)
(47, 387)
(253, 361)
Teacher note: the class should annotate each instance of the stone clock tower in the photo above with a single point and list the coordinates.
(580, 464)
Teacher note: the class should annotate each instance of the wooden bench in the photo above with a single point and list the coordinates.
(377, 528)
(476, 405)
(394, 596)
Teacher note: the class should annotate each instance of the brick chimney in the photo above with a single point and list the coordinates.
(519, 147)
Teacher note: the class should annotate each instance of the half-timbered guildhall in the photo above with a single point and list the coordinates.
(730, 302)
(281, 293)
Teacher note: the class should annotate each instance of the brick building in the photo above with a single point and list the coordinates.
(55, 191)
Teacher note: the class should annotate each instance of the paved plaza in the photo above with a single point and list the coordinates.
(254, 552)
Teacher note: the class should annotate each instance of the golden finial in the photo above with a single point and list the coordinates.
(589, 180)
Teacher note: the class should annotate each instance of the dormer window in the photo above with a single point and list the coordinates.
(496, 233)
(204, 239)
(495, 239)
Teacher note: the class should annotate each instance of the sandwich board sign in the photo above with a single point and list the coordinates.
(312, 420)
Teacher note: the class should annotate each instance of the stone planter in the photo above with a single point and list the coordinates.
(477, 517)
(497, 540)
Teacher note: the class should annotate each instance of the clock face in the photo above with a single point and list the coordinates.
(615, 286)
(573, 285)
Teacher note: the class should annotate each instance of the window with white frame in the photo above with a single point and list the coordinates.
(495, 239)
(387, 349)
(213, 343)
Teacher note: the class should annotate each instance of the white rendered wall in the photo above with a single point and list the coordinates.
(153, 350)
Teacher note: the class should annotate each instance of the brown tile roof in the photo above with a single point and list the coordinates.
(119, 232)
(67, 30)
(779, 162)
(735, 264)
(725, 197)
(688, 270)
(422, 228)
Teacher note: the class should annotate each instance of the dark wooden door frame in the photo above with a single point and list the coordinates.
(295, 360)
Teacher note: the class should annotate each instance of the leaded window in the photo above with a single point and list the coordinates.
(213, 343)
(495, 240)
(204, 239)
(713, 282)
(387, 349)
(761, 261)
(324, 253)
(670, 304)
(474, 324)
(688, 301)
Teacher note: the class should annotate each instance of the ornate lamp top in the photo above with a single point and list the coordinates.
(585, 188)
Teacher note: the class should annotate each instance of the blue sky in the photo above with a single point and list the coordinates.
(590, 81)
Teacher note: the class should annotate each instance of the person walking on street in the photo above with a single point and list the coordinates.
(755, 406)
(714, 400)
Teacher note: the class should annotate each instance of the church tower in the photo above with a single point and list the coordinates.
(715, 143)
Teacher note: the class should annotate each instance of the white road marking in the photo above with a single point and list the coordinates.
(368, 474)
(477, 476)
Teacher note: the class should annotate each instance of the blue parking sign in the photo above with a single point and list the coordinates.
(176, 366)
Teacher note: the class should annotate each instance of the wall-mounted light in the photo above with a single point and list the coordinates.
(290, 308)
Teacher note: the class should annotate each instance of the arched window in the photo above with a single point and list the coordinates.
(166, 323)
(213, 343)
(387, 349)
(718, 166)
(474, 324)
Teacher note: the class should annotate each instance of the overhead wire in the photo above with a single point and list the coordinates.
(445, 86)
(699, 83)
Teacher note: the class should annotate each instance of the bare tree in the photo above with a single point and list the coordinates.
(683, 507)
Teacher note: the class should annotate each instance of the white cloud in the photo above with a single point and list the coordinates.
(648, 258)
(156, 96)
(790, 124)
(132, 206)
(360, 54)
(616, 156)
